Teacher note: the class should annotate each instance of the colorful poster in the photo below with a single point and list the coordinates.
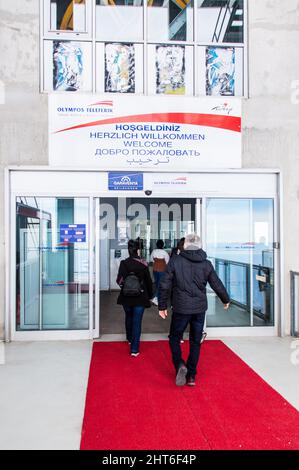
(67, 66)
(220, 71)
(170, 70)
(119, 68)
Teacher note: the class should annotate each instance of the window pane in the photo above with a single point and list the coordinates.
(67, 66)
(230, 251)
(240, 245)
(119, 20)
(27, 264)
(170, 68)
(52, 264)
(263, 270)
(66, 15)
(220, 21)
(119, 68)
(170, 20)
(220, 71)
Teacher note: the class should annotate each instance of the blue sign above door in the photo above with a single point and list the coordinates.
(125, 181)
(73, 233)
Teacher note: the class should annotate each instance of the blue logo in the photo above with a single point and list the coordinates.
(125, 181)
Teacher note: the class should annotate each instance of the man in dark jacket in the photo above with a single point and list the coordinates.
(186, 278)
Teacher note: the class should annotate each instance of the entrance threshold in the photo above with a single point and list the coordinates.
(212, 333)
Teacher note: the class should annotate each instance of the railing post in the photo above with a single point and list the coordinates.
(248, 287)
(294, 302)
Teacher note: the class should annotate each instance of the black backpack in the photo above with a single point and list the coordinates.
(132, 286)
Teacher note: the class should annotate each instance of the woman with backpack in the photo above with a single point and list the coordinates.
(136, 291)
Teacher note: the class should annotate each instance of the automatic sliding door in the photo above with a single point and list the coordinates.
(149, 220)
(239, 242)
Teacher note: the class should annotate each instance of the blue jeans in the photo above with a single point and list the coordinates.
(179, 323)
(133, 325)
(158, 276)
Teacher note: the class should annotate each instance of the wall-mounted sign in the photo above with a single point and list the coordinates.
(131, 133)
(72, 233)
(125, 181)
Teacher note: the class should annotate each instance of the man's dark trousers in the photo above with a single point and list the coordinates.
(179, 323)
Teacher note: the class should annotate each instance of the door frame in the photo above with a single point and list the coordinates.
(49, 335)
(97, 301)
(276, 329)
(10, 243)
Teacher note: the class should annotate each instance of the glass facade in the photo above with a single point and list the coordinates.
(240, 236)
(220, 22)
(52, 264)
(186, 47)
(66, 15)
(53, 253)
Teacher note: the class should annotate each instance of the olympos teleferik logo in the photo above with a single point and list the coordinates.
(100, 107)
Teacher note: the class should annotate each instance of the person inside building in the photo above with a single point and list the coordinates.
(186, 277)
(136, 291)
(178, 248)
(160, 258)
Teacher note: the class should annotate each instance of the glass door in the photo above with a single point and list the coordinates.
(52, 264)
(240, 244)
(150, 219)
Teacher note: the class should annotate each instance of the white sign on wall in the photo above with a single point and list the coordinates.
(138, 132)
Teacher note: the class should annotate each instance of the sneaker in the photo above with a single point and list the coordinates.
(155, 301)
(191, 381)
(203, 337)
(181, 375)
(135, 354)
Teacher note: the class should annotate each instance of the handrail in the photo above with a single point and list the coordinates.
(266, 287)
(227, 9)
(240, 263)
(294, 305)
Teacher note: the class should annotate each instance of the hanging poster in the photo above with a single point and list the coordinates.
(170, 70)
(220, 71)
(67, 66)
(119, 68)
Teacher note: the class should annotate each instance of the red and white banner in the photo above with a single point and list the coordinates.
(138, 132)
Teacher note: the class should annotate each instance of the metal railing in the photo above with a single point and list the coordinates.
(224, 10)
(294, 303)
(238, 276)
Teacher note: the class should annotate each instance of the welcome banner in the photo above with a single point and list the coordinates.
(141, 132)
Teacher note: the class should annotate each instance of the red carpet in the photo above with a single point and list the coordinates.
(133, 403)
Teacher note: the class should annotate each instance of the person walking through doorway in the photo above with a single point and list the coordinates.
(136, 291)
(187, 276)
(160, 259)
(176, 251)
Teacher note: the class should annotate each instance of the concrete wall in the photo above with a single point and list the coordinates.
(270, 118)
(23, 116)
(271, 127)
